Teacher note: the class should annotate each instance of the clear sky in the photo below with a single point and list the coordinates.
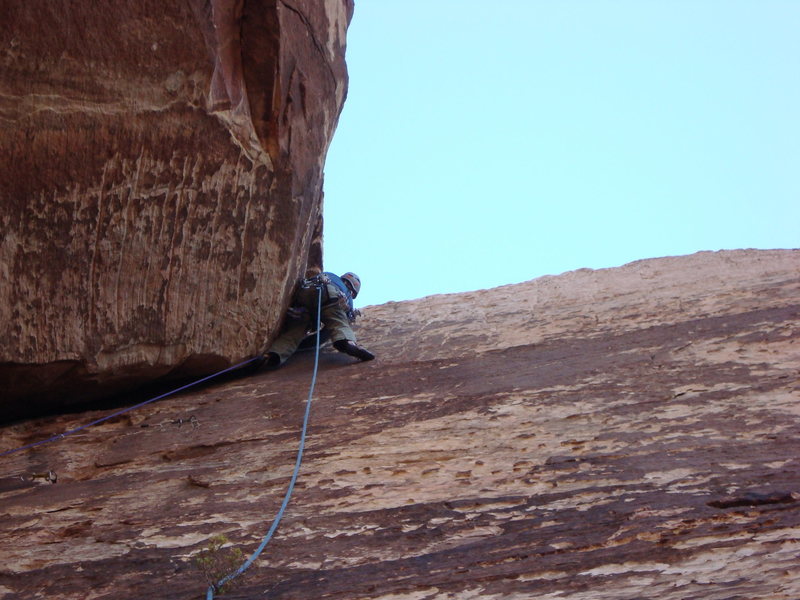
(485, 143)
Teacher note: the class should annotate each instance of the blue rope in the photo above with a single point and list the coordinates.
(279, 516)
(61, 436)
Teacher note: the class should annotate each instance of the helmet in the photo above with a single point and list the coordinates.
(353, 282)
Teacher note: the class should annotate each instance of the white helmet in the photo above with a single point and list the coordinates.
(353, 282)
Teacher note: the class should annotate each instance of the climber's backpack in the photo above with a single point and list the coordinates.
(307, 296)
(307, 292)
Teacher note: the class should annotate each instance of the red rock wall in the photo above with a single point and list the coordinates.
(617, 434)
(161, 183)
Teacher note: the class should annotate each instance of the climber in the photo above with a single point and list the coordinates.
(337, 316)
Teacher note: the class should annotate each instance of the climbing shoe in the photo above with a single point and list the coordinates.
(272, 361)
(353, 349)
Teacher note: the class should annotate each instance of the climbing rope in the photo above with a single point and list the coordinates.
(284, 504)
(214, 587)
(61, 436)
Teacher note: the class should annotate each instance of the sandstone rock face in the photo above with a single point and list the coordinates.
(626, 433)
(161, 184)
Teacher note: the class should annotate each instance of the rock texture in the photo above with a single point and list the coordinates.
(626, 433)
(161, 184)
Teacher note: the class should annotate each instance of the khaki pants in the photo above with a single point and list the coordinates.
(295, 330)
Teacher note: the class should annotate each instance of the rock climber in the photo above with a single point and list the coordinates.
(336, 319)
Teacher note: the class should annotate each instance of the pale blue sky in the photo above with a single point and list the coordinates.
(486, 143)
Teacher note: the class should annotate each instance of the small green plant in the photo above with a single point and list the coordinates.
(215, 562)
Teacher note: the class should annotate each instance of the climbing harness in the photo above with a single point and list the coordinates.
(215, 587)
(61, 436)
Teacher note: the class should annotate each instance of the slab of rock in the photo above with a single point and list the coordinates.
(624, 433)
(161, 184)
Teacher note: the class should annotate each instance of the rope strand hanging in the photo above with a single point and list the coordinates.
(61, 436)
(214, 587)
